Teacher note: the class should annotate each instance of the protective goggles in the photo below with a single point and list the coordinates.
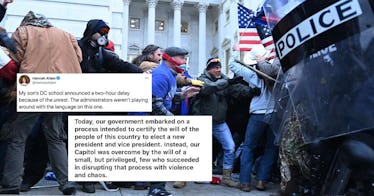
(104, 30)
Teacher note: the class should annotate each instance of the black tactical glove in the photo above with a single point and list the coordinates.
(7, 42)
(235, 80)
(255, 91)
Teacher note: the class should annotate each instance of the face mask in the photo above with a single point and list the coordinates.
(101, 41)
(183, 66)
(176, 63)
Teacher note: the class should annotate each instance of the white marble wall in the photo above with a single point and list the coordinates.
(72, 16)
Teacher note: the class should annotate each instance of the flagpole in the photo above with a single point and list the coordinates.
(238, 31)
(249, 21)
(261, 4)
(257, 71)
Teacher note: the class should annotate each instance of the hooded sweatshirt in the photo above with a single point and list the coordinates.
(264, 103)
(97, 59)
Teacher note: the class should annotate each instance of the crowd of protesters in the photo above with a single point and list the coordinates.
(240, 106)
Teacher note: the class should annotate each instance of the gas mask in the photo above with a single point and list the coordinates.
(101, 41)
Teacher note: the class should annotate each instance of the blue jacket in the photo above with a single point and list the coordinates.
(164, 87)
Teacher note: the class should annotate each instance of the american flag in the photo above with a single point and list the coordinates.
(265, 34)
(253, 30)
(248, 35)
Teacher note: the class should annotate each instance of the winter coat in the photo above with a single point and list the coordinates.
(2, 12)
(212, 98)
(164, 88)
(100, 60)
(148, 65)
(46, 50)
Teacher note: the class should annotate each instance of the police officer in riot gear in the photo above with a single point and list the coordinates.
(321, 46)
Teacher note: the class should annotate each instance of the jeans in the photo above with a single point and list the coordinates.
(222, 133)
(256, 128)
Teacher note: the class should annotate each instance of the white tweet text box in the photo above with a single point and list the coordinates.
(140, 148)
(84, 92)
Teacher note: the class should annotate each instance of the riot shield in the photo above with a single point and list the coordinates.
(326, 49)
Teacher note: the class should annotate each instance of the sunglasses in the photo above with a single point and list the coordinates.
(104, 31)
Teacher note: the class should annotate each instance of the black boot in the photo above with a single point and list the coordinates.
(88, 187)
(217, 170)
(9, 190)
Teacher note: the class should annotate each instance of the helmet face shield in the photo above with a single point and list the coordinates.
(311, 26)
(277, 9)
(326, 49)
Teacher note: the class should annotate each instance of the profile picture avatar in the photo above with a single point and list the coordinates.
(24, 80)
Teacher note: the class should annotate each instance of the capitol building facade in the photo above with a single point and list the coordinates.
(206, 28)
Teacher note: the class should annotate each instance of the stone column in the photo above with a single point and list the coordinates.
(125, 28)
(151, 20)
(177, 6)
(221, 23)
(202, 6)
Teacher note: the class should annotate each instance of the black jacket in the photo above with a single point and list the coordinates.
(212, 98)
(2, 12)
(100, 60)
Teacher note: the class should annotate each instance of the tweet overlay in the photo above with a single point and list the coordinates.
(140, 148)
(84, 92)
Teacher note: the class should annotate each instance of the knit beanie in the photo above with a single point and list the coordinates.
(212, 63)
